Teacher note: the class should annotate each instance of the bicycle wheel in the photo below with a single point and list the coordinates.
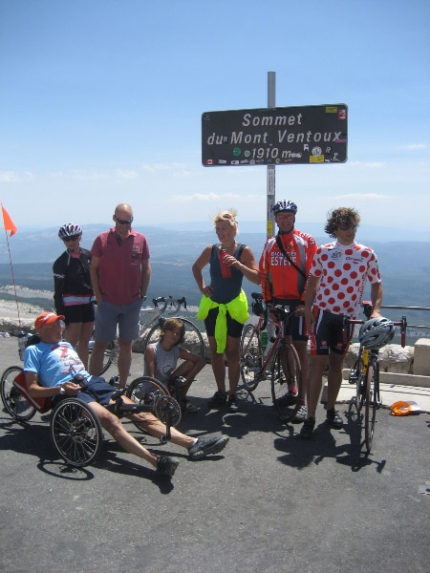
(110, 354)
(286, 376)
(15, 404)
(76, 432)
(359, 384)
(250, 357)
(371, 402)
(146, 390)
(193, 340)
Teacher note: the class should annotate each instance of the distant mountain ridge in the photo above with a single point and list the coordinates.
(44, 245)
(405, 266)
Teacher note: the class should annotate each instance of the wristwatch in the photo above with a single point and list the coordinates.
(62, 391)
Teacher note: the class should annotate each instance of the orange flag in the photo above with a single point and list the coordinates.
(9, 225)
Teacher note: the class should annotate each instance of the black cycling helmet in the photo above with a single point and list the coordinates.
(376, 333)
(69, 230)
(284, 206)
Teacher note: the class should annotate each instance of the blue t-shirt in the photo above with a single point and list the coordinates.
(54, 364)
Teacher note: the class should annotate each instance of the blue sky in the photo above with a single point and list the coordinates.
(101, 102)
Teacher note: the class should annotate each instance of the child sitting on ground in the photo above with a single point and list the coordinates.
(161, 361)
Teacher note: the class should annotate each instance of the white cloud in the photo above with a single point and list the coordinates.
(127, 174)
(8, 177)
(13, 177)
(369, 164)
(161, 167)
(361, 196)
(208, 197)
(414, 146)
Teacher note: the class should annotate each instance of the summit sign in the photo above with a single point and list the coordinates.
(310, 134)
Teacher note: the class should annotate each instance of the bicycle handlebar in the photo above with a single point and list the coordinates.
(169, 300)
(402, 323)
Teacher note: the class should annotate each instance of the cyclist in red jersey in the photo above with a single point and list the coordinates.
(284, 272)
(334, 290)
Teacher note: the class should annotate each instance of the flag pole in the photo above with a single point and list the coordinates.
(9, 225)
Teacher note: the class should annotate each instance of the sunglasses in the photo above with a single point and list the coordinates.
(122, 222)
(348, 227)
(72, 238)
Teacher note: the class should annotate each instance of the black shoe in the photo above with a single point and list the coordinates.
(307, 428)
(167, 465)
(206, 446)
(218, 400)
(288, 400)
(233, 406)
(334, 419)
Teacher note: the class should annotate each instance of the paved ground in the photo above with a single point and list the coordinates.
(270, 502)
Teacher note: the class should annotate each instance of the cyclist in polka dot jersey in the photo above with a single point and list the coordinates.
(335, 289)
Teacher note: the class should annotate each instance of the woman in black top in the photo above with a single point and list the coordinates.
(73, 292)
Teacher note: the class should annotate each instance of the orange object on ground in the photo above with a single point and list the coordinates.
(403, 408)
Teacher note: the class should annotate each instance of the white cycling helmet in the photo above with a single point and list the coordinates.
(69, 230)
(376, 333)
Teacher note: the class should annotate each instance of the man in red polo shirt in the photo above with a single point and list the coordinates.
(120, 273)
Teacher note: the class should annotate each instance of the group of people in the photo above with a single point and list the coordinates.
(322, 285)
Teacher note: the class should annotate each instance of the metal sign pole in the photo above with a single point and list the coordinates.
(271, 182)
(271, 169)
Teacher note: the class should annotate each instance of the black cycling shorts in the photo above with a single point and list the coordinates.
(329, 333)
(234, 328)
(79, 313)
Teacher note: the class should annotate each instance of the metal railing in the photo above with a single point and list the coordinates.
(419, 308)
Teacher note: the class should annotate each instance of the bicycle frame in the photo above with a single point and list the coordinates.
(166, 302)
(365, 375)
(264, 360)
(278, 362)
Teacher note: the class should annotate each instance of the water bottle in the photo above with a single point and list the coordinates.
(225, 269)
(22, 343)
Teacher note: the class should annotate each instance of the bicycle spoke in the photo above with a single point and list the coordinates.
(286, 382)
(250, 357)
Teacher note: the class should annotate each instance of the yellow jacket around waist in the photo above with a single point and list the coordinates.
(237, 309)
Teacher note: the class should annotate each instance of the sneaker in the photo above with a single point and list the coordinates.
(334, 419)
(233, 406)
(288, 400)
(307, 428)
(301, 415)
(218, 400)
(167, 465)
(188, 407)
(205, 446)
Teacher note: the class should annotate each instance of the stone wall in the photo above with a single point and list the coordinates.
(393, 358)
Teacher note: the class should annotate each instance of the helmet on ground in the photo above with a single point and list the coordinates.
(376, 333)
(69, 230)
(284, 206)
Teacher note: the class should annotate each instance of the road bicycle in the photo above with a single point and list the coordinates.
(365, 376)
(150, 323)
(275, 359)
